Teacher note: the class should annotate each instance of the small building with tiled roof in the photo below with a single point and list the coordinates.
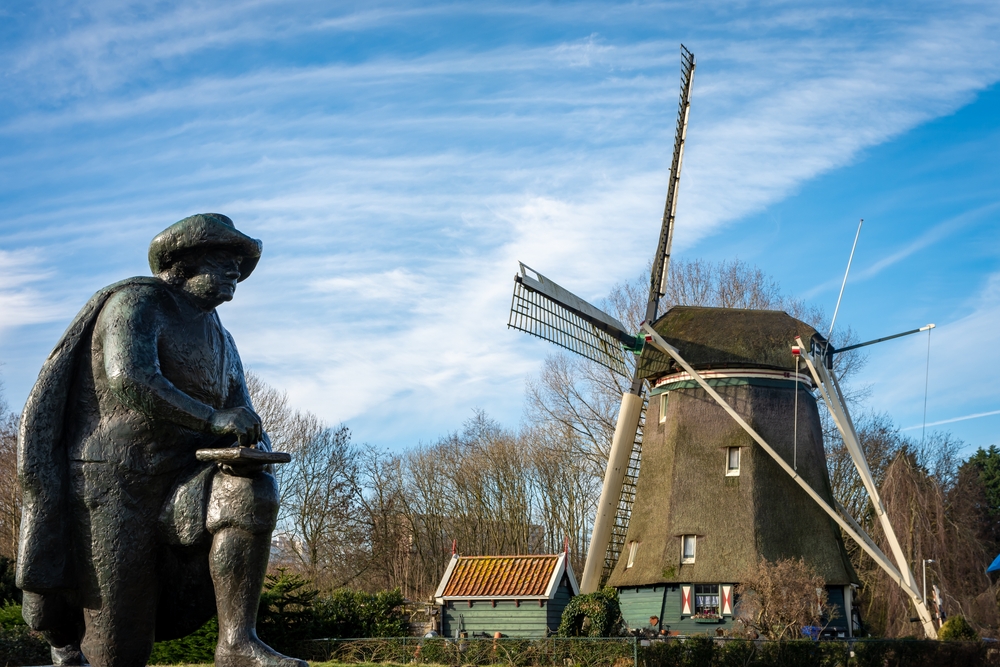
(517, 596)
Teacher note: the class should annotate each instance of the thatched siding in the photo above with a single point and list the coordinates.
(683, 489)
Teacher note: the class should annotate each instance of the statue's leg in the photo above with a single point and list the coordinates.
(241, 515)
(116, 513)
(59, 621)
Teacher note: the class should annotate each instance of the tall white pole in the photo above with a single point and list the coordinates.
(846, 273)
(614, 476)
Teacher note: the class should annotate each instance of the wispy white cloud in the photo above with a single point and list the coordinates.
(22, 303)
(961, 365)
(934, 235)
(396, 185)
(953, 420)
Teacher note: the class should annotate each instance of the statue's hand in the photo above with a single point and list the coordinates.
(240, 422)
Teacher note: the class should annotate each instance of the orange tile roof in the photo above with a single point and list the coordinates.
(499, 576)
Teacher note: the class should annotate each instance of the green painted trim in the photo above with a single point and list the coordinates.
(727, 382)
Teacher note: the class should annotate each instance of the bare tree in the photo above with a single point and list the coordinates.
(322, 509)
(928, 526)
(10, 488)
(567, 489)
(392, 561)
(777, 599)
(319, 490)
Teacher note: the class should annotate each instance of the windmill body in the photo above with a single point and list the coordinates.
(723, 463)
(709, 503)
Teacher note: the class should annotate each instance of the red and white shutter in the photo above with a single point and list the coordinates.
(727, 600)
(685, 599)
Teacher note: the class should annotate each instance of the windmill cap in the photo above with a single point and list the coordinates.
(205, 231)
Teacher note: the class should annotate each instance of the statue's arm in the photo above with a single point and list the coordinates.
(131, 331)
(239, 393)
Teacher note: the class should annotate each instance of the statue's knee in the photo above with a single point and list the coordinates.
(250, 503)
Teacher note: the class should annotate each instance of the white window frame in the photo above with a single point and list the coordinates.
(733, 472)
(663, 406)
(717, 594)
(694, 548)
(633, 547)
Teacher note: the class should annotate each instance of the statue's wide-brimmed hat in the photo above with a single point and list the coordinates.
(205, 230)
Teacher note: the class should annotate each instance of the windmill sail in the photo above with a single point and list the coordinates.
(657, 289)
(661, 261)
(542, 308)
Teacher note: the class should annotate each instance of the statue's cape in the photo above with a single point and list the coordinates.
(44, 550)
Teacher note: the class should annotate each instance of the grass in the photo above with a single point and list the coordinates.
(322, 664)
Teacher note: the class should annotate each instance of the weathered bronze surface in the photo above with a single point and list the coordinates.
(127, 537)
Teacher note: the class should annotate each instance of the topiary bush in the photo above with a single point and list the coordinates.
(10, 616)
(355, 614)
(197, 648)
(9, 592)
(21, 646)
(285, 616)
(957, 628)
(593, 615)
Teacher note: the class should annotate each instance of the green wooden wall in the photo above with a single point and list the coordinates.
(556, 606)
(835, 597)
(524, 620)
(663, 601)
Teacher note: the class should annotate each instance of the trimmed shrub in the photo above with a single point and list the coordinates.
(285, 616)
(922, 653)
(354, 614)
(9, 592)
(197, 647)
(958, 628)
(10, 616)
(592, 615)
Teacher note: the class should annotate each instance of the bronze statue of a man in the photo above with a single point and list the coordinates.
(126, 537)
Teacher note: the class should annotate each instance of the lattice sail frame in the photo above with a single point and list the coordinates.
(594, 335)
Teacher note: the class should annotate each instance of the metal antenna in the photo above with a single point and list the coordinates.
(844, 284)
(927, 381)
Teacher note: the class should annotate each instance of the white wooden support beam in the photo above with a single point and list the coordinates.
(852, 531)
(829, 389)
(614, 477)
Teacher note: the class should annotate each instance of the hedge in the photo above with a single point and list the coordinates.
(550, 652)
(672, 652)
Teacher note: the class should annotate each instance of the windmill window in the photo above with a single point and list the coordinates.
(706, 599)
(688, 545)
(633, 546)
(732, 462)
(663, 406)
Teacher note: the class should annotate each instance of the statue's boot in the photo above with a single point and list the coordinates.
(60, 623)
(68, 655)
(238, 563)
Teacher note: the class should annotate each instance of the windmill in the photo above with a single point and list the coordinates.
(777, 363)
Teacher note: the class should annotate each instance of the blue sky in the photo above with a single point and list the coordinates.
(397, 159)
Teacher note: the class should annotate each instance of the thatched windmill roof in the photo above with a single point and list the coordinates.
(725, 337)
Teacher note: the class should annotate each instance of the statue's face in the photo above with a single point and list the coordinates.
(213, 277)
